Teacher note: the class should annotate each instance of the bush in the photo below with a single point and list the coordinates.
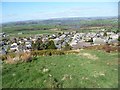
(3, 57)
(119, 38)
(10, 60)
(71, 52)
(107, 48)
(47, 53)
(15, 58)
(52, 52)
(26, 57)
(105, 34)
(37, 45)
(67, 47)
(12, 55)
(51, 45)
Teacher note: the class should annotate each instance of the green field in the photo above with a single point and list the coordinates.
(46, 27)
(32, 33)
(88, 69)
(26, 30)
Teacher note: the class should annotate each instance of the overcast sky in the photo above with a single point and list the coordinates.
(19, 11)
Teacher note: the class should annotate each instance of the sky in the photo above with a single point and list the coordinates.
(20, 11)
(60, 0)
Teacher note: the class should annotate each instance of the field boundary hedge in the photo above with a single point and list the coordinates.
(36, 53)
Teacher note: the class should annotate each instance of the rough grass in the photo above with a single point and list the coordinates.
(64, 71)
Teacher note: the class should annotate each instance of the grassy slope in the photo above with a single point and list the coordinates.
(85, 72)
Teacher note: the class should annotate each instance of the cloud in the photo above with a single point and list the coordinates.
(59, 10)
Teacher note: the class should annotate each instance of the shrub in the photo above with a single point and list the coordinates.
(3, 57)
(47, 53)
(119, 38)
(12, 55)
(107, 49)
(37, 44)
(67, 47)
(12, 58)
(26, 57)
(15, 58)
(52, 52)
(9, 60)
(51, 45)
(71, 52)
(105, 34)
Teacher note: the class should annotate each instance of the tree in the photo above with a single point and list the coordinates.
(105, 34)
(50, 45)
(119, 38)
(38, 43)
(59, 34)
(43, 46)
(117, 31)
(34, 46)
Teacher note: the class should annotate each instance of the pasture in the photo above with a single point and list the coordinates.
(87, 69)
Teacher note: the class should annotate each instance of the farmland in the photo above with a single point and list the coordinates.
(61, 25)
(87, 69)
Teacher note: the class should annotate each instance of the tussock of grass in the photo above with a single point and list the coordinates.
(89, 56)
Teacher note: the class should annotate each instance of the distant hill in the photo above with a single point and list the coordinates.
(62, 24)
(58, 21)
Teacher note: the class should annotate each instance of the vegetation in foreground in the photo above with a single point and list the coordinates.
(87, 69)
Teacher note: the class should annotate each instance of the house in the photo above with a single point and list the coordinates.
(110, 33)
(114, 36)
(63, 36)
(73, 42)
(28, 45)
(3, 51)
(3, 34)
(25, 39)
(14, 47)
(81, 44)
(99, 41)
(34, 40)
(56, 40)
(2, 43)
(112, 41)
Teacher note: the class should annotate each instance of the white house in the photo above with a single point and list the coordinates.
(28, 44)
(14, 47)
(99, 41)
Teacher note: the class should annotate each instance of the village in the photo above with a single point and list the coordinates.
(73, 39)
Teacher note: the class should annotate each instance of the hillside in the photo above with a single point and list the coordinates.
(87, 69)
